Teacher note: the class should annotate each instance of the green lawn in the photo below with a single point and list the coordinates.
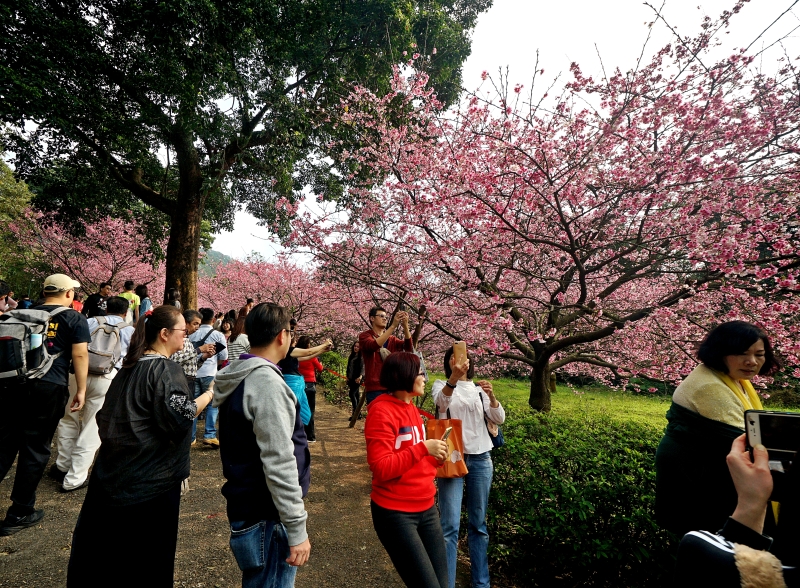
(593, 400)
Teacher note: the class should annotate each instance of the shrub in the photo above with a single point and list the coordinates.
(332, 383)
(572, 503)
(784, 392)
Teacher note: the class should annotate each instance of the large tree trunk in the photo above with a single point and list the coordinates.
(183, 248)
(540, 388)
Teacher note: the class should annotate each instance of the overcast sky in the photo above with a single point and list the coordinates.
(511, 32)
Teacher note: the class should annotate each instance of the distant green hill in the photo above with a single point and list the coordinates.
(211, 260)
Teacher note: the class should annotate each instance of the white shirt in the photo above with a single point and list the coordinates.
(465, 404)
(209, 367)
(125, 334)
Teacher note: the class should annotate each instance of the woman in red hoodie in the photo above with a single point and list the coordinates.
(403, 465)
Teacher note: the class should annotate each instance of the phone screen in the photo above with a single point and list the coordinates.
(780, 432)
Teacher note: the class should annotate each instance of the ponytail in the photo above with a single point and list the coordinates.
(147, 330)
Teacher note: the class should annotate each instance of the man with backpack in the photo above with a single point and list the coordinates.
(207, 371)
(37, 347)
(77, 436)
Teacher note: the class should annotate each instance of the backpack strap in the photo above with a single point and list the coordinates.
(199, 344)
(59, 309)
(53, 313)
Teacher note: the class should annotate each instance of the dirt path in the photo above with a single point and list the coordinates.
(345, 550)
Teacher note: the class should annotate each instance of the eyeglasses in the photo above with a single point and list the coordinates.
(184, 330)
(381, 316)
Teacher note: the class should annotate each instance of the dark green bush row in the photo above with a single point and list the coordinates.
(572, 503)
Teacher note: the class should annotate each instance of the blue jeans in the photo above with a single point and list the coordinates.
(200, 387)
(261, 551)
(478, 481)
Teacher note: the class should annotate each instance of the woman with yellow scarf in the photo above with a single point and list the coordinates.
(694, 489)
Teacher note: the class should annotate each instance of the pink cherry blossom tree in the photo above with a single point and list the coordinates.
(601, 231)
(112, 250)
(322, 310)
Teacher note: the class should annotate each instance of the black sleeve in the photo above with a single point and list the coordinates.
(736, 532)
(705, 560)
(173, 407)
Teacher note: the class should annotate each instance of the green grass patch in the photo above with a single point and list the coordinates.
(582, 402)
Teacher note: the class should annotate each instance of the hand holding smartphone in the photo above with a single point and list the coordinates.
(459, 352)
(778, 431)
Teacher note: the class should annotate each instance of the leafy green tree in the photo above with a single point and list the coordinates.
(14, 195)
(200, 107)
(14, 199)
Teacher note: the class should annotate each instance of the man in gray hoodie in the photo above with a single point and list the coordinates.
(265, 457)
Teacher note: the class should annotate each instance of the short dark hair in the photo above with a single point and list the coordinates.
(399, 371)
(129, 284)
(303, 342)
(447, 371)
(207, 315)
(104, 284)
(375, 310)
(264, 323)
(248, 301)
(190, 314)
(733, 338)
(117, 305)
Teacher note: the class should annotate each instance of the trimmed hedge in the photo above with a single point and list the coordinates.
(572, 503)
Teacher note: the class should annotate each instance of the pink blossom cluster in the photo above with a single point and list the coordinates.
(115, 250)
(322, 310)
(111, 250)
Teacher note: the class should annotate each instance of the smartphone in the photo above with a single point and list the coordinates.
(219, 346)
(459, 352)
(447, 432)
(779, 432)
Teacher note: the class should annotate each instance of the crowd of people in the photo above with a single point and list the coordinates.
(123, 382)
